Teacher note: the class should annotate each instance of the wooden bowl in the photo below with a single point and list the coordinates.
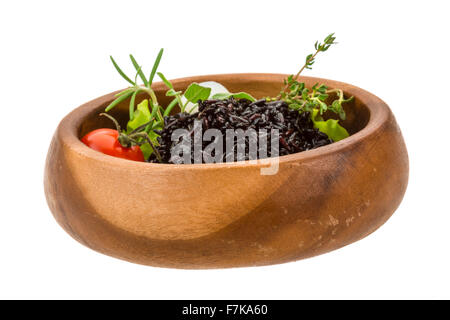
(228, 215)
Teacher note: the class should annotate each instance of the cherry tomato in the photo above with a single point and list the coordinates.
(105, 141)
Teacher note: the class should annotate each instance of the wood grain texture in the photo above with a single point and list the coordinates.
(228, 215)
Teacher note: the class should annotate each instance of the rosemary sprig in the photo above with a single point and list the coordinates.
(149, 112)
(172, 93)
(138, 70)
(156, 121)
(136, 88)
(121, 72)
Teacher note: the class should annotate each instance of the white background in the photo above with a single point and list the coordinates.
(54, 57)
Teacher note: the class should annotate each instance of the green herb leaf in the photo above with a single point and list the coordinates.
(121, 72)
(305, 94)
(164, 79)
(322, 89)
(138, 69)
(322, 96)
(141, 116)
(170, 107)
(330, 127)
(124, 92)
(196, 92)
(156, 114)
(239, 95)
(310, 59)
(172, 92)
(295, 106)
(221, 96)
(146, 148)
(155, 66)
(131, 108)
(322, 107)
(118, 100)
(243, 95)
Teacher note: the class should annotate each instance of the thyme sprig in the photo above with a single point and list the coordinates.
(315, 100)
(320, 47)
(301, 98)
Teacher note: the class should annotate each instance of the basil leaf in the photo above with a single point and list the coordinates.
(331, 127)
(196, 92)
(239, 95)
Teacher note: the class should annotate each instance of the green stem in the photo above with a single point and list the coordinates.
(147, 138)
(170, 107)
(304, 66)
(156, 124)
(152, 94)
(121, 93)
(180, 103)
(339, 92)
(138, 129)
(184, 106)
(113, 120)
(300, 71)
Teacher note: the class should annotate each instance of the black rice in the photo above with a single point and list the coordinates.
(296, 130)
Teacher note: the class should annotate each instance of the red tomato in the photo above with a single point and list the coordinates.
(105, 141)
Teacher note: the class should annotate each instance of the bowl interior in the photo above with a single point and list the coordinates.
(358, 113)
